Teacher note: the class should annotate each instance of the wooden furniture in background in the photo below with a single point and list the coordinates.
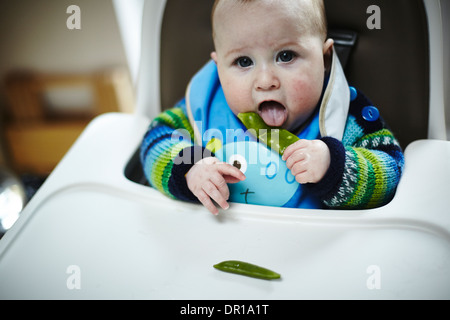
(46, 113)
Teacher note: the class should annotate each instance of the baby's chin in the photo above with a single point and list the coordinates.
(294, 124)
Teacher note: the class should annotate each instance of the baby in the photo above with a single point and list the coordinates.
(272, 57)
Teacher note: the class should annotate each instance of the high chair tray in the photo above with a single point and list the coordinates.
(90, 233)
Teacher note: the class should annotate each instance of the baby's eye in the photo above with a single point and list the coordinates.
(244, 62)
(286, 56)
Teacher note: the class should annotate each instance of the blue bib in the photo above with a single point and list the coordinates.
(268, 180)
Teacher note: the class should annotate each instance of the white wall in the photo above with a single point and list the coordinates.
(34, 34)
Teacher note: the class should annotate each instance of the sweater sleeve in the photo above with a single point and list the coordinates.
(366, 165)
(167, 152)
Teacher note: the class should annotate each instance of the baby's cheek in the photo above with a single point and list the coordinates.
(307, 89)
(306, 94)
(238, 99)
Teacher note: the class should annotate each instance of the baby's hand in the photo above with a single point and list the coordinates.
(208, 179)
(308, 160)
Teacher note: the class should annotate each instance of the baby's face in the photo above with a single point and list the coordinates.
(267, 62)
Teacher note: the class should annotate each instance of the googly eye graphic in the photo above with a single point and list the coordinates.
(238, 161)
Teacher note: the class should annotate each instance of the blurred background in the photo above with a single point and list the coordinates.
(53, 81)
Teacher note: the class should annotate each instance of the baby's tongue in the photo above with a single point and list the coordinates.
(273, 113)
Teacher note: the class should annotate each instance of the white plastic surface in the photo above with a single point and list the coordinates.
(148, 96)
(435, 15)
(128, 241)
(129, 18)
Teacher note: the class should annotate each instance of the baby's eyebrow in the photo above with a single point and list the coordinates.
(234, 51)
(289, 44)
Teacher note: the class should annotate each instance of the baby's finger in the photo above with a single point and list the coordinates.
(231, 179)
(297, 157)
(298, 169)
(221, 185)
(303, 177)
(227, 169)
(303, 174)
(293, 147)
(212, 191)
(207, 203)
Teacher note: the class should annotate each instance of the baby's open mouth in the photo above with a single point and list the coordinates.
(273, 113)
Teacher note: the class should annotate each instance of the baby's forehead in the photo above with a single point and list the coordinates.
(305, 8)
(307, 13)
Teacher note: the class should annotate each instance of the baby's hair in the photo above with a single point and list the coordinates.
(317, 16)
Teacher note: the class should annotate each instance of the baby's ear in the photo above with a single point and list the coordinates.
(327, 53)
(214, 56)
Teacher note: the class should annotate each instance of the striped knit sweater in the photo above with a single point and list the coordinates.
(365, 169)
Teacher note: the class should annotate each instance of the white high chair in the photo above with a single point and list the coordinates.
(94, 232)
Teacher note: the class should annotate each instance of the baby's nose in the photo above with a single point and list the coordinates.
(267, 79)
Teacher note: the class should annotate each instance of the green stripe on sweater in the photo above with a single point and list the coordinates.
(356, 189)
(181, 120)
(161, 169)
(377, 180)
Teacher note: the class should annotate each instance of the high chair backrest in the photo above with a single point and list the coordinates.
(390, 61)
